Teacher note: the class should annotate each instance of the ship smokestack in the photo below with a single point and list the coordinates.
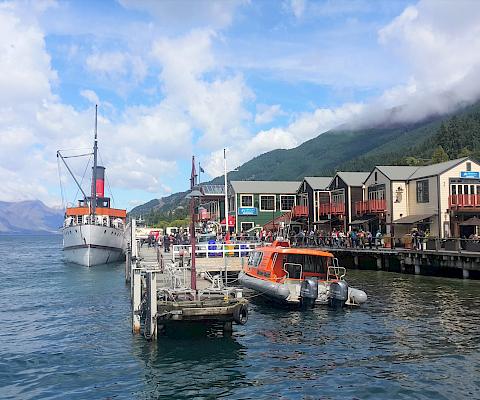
(100, 181)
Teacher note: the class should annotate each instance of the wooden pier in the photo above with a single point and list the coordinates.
(438, 262)
(162, 295)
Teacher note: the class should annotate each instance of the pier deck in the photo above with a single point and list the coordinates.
(162, 294)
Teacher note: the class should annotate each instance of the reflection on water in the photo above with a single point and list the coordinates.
(66, 334)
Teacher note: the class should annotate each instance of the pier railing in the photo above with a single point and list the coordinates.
(216, 250)
(430, 243)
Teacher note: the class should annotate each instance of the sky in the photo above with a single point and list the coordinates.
(179, 78)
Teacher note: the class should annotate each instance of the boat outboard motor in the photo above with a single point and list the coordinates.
(338, 294)
(308, 292)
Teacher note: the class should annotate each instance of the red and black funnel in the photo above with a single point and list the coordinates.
(100, 182)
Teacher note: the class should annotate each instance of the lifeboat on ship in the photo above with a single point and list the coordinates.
(299, 277)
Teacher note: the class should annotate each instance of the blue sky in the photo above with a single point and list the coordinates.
(176, 78)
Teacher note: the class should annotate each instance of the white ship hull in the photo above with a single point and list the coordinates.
(93, 244)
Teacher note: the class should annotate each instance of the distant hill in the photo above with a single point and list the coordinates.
(29, 217)
(358, 150)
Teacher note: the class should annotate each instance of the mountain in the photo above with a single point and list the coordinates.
(171, 207)
(360, 150)
(29, 217)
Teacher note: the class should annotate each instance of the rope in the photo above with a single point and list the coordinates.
(60, 179)
(84, 172)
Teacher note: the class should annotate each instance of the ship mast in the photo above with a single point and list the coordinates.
(93, 199)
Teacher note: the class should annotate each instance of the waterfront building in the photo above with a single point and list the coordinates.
(257, 202)
(312, 192)
(212, 204)
(346, 188)
(438, 198)
(385, 198)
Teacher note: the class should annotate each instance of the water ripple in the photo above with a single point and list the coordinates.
(66, 334)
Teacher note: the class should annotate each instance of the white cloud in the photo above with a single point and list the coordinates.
(116, 65)
(215, 106)
(297, 7)
(188, 13)
(305, 126)
(266, 114)
(90, 95)
(441, 41)
(34, 123)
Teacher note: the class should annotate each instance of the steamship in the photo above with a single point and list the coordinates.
(93, 231)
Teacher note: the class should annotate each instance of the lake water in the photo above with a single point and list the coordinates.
(66, 334)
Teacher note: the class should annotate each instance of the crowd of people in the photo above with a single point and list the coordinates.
(354, 238)
(338, 238)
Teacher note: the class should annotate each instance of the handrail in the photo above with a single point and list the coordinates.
(217, 250)
(338, 272)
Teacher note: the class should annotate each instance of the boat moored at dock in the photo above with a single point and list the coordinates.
(93, 231)
(299, 277)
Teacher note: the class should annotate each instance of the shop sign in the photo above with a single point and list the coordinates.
(470, 174)
(248, 211)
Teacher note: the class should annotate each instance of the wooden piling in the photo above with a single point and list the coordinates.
(151, 302)
(136, 283)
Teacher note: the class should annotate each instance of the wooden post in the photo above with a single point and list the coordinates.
(151, 317)
(402, 265)
(379, 262)
(465, 273)
(136, 283)
(128, 262)
(355, 261)
(133, 238)
(417, 266)
(387, 263)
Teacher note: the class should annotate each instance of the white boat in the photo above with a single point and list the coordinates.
(93, 232)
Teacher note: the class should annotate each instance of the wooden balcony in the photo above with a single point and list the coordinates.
(467, 201)
(299, 211)
(370, 206)
(331, 208)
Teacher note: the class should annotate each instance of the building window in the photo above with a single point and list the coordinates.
(469, 166)
(338, 197)
(376, 192)
(376, 176)
(246, 200)
(287, 202)
(267, 202)
(245, 226)
(422, 191)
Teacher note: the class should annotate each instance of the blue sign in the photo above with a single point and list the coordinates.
(470, 174)
(248, 211)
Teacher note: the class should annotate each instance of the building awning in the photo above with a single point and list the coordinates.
(411, 219)
(474, 221)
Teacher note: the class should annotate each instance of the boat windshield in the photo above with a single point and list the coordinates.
(255, 259)
(309, 263)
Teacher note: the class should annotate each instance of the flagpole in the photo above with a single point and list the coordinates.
(226, 210)
(199, 172)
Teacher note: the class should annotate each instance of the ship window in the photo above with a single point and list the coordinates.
(315, 264)
(255, 259)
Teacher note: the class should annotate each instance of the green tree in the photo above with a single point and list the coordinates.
(439, 155)
(465, 152)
